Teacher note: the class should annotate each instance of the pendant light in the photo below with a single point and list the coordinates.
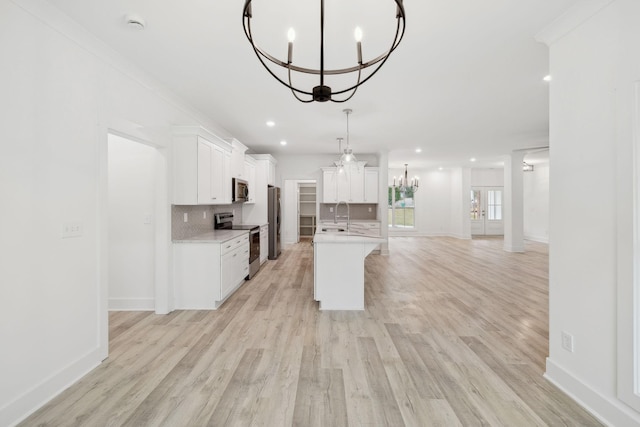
(347, 155)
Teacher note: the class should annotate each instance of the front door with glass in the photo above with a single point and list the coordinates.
(486, 211)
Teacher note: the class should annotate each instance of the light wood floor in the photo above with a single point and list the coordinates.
(454, 333)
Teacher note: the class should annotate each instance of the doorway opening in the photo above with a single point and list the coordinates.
(306, 210)
(131, 180)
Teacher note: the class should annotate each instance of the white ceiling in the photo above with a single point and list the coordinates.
(465, 82)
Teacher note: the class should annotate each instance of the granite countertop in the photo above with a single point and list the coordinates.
(213, 236)
(352, 236)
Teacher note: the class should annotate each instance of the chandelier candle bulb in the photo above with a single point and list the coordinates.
(291, 35)
(358, 35)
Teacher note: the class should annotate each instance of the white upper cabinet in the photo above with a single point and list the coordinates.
(250, 174)
(353, 184)
(227, 180)
(371, 185)
(237, 158)
(220, 178)
(356, 184)
(201, 167)
(205, 182)
(329, 185)
(269, 163)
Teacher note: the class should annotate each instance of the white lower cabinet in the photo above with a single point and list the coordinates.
(206, 273)
(264, 243)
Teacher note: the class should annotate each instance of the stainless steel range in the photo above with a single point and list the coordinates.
(224, 221)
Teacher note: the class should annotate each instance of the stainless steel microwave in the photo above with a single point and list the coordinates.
(240, 190)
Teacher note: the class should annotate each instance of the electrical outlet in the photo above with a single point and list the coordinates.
(147, 219)
(72, 229)
(369, 208)
(330, 208)
(186, 217)
(567, 341)
(204, 214)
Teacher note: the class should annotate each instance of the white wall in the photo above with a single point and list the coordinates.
(487, 177)
(62, 90)
(132, 177)
(536, 203)
(432, 202)
(594, 64)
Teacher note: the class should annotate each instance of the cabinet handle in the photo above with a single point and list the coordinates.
(228, 246)
(235, 255)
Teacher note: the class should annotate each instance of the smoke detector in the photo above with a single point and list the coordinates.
(135, 22)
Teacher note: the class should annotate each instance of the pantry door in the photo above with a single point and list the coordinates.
(486, 211)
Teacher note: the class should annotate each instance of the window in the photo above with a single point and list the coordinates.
(401, 208)
(494, 205)
(475, 204)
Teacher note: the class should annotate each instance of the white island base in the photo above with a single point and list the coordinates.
(339, 269)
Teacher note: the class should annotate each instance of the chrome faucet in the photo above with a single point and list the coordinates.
(336, 216)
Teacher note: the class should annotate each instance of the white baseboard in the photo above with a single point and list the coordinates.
(26, 404)
(459, 236)
(413, 233)
(607, 409)
(540, 239)
(132, 304)
(515, 249)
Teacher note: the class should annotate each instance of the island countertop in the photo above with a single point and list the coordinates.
(346, 237)
(354, 235)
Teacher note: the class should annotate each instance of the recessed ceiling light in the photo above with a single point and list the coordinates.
(283, 142)
(271, 123)
(547, 78)
(440, 168)
(418, 150)
(473, 159)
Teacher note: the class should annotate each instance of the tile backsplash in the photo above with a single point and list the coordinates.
(200, 219)
(357, 211)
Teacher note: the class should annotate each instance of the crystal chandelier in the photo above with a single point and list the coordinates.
(322, 92)
(404, 184)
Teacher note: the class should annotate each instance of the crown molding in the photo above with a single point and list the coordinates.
(570, 20)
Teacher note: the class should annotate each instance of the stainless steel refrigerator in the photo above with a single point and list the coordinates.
(275, 219)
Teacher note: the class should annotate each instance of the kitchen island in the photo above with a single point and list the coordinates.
(339, 266)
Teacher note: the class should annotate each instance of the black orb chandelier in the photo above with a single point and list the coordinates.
(322, 92)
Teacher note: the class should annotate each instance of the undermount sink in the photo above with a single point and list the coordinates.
(333, 229)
